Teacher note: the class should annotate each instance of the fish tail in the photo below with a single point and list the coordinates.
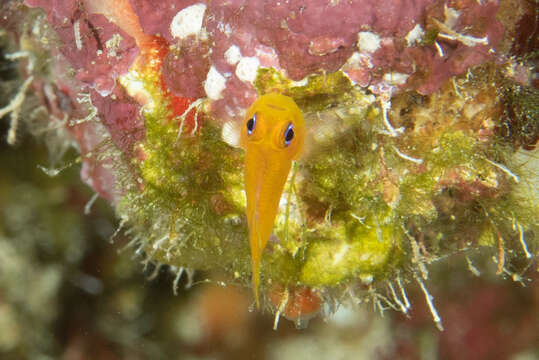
(256, 254)
(256, 281)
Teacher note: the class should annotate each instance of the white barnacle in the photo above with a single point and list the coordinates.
(188, 21)
(247, 68)
(368, 41)
(215, 84)
(395, 78)
(233, 55)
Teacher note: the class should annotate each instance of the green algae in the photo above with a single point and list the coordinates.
(337, 177)
(347, 251)
(315, 93)
(355, 206)
(349, 203)
(519, 125)
(192, 194)
(201, 227)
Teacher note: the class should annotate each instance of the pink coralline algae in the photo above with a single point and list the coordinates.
(387, 42)
(185, 69)
(98, 50)
(217, 48)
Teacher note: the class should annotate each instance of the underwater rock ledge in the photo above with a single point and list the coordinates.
(421, 133)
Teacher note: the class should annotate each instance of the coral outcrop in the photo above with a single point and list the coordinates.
(419, 114)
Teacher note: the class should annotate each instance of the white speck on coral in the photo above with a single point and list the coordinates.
(268, 56)
(76, 30)
(368, 41)
(134, 86)
(356, 67)
(233, 55)
(247, 68)
(224, 28)
(301, 82)
(337, 258)
(359, 60)
(214, 85)
(230, 112)
(415, 35)
(395, 78)
(188, 21)
(364, 257)
(228, 30)
(104, 92)
(113, 45)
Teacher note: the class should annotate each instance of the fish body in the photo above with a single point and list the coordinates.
(273, 135)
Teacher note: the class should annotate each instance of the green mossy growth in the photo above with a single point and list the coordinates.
(338, 175)
(184, 189)
(519, 124)
(347, 251)
(355, 206)
(315, 93)
(280, 266)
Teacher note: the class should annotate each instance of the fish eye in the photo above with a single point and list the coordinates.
(289, 134)
(251, 124)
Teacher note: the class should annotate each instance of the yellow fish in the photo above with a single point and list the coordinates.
(272, 135)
